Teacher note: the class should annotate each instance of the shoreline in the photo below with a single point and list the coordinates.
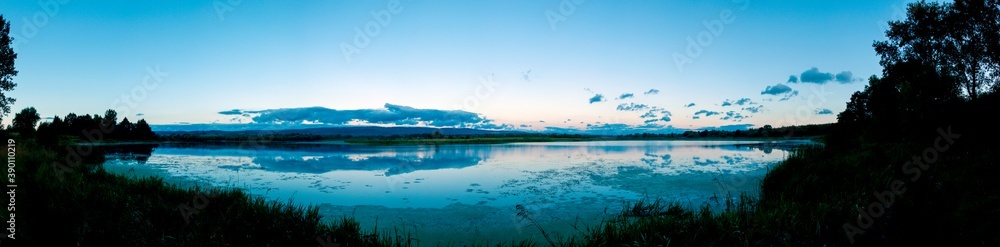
(421, 142)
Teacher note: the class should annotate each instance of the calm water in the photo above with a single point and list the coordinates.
(437, 190)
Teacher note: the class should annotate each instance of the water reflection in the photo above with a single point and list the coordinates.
(437, 176)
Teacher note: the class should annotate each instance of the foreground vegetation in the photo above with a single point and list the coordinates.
(87, 206)
(909, 162)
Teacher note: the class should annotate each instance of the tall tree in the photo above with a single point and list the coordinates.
(24, 121)
(7, 71)
(958, 42)
(110, 117)
(973, 35)
(125, 129)
(143, 131)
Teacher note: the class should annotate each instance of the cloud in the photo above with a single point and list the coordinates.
(784, 91)
(610, 126)
(824, 112)
(526, 75)
(541, 121)
(733, 115)
(625, 96)
(732, 127)
(390, 114)
(695, 117)
(776, 89)
(754, 109)
(789, 95)
(632, 107)
(689, 105)
(231, 112)
(648, 126)
(525, 125)
(814, 76)
(845, 77)
(707, 113)
(652, 113)
(651, 91)
(561, 129)
(742, 101)
(665, 119)
(596, 98)
(139, 114)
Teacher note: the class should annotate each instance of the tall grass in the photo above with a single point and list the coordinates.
(90, 207)
(803, 201)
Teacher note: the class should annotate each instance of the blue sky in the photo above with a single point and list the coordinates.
(512, 64)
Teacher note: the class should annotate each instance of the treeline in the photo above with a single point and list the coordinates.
(766, 131)
(84, 127)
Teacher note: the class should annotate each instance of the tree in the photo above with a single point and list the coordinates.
(940, 57)
(110, 119)
(142, 131)
(975, 39)
(766, 130)
(857, 113)
(24, 121)
(125, 129)
(7, 71)
(957, 42)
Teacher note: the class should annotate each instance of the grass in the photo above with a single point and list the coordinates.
(804, 201)
(807, 199)
(90, 207)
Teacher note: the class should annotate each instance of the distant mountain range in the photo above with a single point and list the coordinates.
(255, 128)
(345, 130)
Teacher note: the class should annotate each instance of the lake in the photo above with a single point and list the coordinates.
(436, 191)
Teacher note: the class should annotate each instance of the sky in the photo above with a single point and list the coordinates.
(529, 65)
